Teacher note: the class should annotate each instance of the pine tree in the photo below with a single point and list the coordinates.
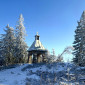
(0, 46)
(8, 46)
(51, 57)
(1, 57)
(21, 46)
(79, 43)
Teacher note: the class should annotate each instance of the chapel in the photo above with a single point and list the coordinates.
(37, 52)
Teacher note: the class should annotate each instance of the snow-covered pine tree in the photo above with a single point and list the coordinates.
(51, 57)
(21, 46)
(79, 43)
(1, 44)
(8, 45)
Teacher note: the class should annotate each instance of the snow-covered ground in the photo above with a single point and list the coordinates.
(43, 74)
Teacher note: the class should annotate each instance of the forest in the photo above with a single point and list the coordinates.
(14, 59)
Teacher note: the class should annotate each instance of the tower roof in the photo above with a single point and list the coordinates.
(37, 45)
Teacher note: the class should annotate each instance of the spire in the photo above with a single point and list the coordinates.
(37, 36)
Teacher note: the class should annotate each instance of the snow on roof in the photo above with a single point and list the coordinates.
(37, 45)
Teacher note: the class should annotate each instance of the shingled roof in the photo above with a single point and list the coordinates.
(37, 45)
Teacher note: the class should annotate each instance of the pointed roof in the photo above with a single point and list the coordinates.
(37, 45)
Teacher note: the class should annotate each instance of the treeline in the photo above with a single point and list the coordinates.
(13, 48)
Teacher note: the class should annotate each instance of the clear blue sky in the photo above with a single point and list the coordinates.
(55, 20)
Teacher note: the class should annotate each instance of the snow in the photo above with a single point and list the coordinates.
(34, 76)
(15, 76)
(43, 68)
(10, 76)
(37, 45)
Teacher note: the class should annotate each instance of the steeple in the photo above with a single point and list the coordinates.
(37, 36)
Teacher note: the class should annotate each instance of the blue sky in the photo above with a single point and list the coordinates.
(55, 20)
